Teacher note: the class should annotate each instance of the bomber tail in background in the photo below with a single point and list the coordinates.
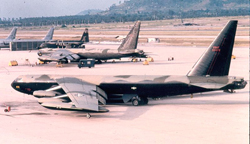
(130, 42)
(49, 35)
(85, 36)
(216, 60)
(12, 34)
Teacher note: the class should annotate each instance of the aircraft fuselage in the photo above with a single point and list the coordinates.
(144, 86)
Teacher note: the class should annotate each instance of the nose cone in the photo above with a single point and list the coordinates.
(15, 86)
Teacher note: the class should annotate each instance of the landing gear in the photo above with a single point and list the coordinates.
(99, 61)
(136, 101)
(88, 115)
(230, 91)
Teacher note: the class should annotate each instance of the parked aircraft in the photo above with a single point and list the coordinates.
(31, 44)
(88, 93)
(4, 43)
(126, 49)
(48, 37)
(68, 44)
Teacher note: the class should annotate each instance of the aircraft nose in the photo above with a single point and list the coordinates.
(14, 85)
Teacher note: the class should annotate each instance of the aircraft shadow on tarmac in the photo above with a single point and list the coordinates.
(126, 110)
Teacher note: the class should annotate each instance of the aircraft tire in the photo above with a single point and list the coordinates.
(135, 102)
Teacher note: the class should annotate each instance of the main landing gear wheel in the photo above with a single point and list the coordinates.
(230, 91)
(88, 115)
(136, 101)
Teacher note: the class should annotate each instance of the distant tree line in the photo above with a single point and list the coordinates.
(116, 17)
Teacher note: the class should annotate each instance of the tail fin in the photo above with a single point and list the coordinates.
(49, 35)
(130, 42)
(217, 58)
(85, 36)
(12, 34)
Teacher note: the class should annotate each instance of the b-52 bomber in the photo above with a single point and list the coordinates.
(5, 43)
(67, 44)
(90, 93)
(128, 48)
(48, 37)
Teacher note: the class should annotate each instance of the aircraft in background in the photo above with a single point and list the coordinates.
(48, 37)
(67, 44)
(89, 93)
(30, 44)
(128, 48)
(4, 43)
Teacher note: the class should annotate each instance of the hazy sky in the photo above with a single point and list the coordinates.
(38, 8)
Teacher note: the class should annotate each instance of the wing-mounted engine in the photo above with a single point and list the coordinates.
(42, 93)
(51, 92)
(72, 57)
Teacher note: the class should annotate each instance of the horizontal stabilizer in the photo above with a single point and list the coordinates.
(209, 85)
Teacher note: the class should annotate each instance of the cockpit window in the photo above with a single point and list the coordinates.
(19, 80)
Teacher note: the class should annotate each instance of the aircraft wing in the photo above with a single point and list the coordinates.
(83, 95)
(60, 55)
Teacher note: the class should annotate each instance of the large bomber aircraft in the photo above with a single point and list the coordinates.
(128, 48)
(88, 93)
(67, 44)
(5, 43)
(48, 37)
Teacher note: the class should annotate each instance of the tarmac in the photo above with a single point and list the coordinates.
(212, 117)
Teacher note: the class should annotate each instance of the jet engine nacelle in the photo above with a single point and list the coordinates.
(42, 93)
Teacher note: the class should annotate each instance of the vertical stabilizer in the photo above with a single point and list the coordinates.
(130, 42)
(85, 36)
(49, 35)
(217, 58)
(12, 34)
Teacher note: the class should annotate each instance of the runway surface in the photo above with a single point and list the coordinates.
(213, 117)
